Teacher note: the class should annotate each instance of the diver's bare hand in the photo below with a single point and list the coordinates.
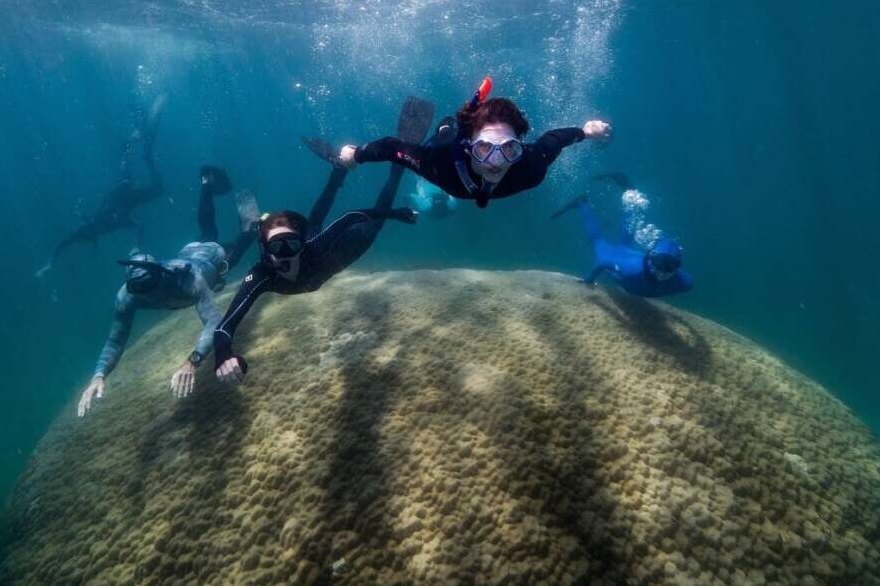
(231, 371)
(346, 156)
(597, 130)
(95, 390)
(183, 381)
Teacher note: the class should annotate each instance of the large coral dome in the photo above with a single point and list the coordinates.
(455, 427)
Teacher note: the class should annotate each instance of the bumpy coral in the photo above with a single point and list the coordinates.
(456, 427)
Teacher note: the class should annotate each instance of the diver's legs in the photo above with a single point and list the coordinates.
(322, 205)
(156, 186)
(207, 215)
(350, 236)
(385, 199)
(87, 232)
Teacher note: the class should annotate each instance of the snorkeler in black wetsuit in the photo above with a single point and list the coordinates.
(298, 256)
(118, 203)
(485, 158)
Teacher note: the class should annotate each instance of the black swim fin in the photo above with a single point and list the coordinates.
(414, 120)
(322, 149)
(620, 178)
(581, 199)
(217, 177)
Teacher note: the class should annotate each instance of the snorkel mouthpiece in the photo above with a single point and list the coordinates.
(482, 92)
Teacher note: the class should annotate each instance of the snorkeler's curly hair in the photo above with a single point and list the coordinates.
(491, 111)
(283, 219)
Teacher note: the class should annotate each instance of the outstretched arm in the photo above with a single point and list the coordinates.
(551, 143)
(123, 318)
(227, 366)
(389, 149)
(183, 381)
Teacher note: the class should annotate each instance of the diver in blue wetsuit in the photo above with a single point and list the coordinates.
(647, 268)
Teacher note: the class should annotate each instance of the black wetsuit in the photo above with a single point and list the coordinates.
(327, 252)
(116, 206)
(449, 165)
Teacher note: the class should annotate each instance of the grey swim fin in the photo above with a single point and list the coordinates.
(415, 119)
(581, 199)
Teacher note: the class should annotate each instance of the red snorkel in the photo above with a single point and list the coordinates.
(482, 92)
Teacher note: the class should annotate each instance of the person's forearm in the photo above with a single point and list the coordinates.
(383, 149)
(222, 347)
(254, 284)
(108, 359)
(559, 138)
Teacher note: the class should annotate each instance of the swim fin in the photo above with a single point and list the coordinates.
(322, 149)
(217, 177)
(620, 178)
(414, 120)
(151, 124)
(576, 202)
(248, 211)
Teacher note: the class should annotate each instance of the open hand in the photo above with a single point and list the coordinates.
(95, 390)
(183, 381)
(597, 130)
(231, 371)
(346, 156)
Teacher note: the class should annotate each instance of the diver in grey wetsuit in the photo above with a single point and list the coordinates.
(191, 278)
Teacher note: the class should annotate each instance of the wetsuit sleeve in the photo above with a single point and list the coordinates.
(550, 144)
(255, 283)
(391, 149)
(123, 318)
(209, 315)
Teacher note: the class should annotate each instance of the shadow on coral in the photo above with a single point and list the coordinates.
(653, 327)
(357, 478)
(208, 430)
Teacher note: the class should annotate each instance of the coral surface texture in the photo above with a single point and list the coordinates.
(455, 427)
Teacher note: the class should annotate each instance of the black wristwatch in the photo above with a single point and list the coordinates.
(196, 358)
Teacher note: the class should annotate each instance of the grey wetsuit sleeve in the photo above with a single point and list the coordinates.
(123, 318)
(209, 315)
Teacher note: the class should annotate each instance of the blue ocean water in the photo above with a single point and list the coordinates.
(751, 126)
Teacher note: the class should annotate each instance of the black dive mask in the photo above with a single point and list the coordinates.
(283, 247)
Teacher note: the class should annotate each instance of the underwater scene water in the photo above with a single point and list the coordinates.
(750, 130)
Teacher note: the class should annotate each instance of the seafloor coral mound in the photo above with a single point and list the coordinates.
(456, 427)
